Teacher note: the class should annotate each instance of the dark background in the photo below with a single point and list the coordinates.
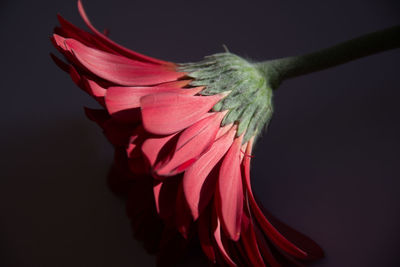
(328, 166)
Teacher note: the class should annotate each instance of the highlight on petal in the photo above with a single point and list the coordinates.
(119, 69)
(122, 50)
(198, 182)
(249, 241)
(308, 250)
(218, 240)
(167, 113)
(123, 98)
(192, 142)
(229, 197)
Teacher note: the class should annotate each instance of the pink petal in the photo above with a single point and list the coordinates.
(230, 192)
(123, 98)
(264, 248)
(94, 88)
(158, 147)
(218, 239)
(176, 84)
(204, 230)
(182, 213)
(136, 159)
(68, 30)
(122, 50)
(118, 69)
(314, 251)
(193, 141)
(249, 242)
(167, 113)
(165, 198)
(118, 134)
(198, 180)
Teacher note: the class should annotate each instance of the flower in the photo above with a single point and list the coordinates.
(183, 134)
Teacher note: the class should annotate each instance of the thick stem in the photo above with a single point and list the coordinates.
(284, 68)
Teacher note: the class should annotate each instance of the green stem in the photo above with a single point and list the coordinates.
(281, 69)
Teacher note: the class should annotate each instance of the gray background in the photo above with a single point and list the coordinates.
(328, 166)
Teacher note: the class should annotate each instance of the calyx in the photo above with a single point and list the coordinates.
(249, 102)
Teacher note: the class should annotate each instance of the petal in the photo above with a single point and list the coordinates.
(264, 248)
(176, 84)
(119, 69)
(183, 218)
(157, 148)
(167, 113)
(122, 50)
(308, 250)
(249, 242)
(230, 192)
(94, 88)
(198, 183)
(204, 230)
(61, 64)
(122, 98)
(218, 240)
(69, 30)
(99, 116)
(165, 198)
(193, 141)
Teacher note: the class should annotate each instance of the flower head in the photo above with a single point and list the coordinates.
(188, 131)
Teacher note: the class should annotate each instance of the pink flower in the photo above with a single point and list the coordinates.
(180, 148)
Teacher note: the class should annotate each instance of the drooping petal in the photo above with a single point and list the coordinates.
(249, 241)
(165, 193)
(99, 116)
(198, 184)
(230, 191)
(308, 249)
(122, 50)
(68, 30)
(204, 230)
(119, 69)
(193, 141)
(265, 248)
(136, 161)
(61, 64)
(218, 240)
(157, 148)
(167, 113)
(183, 219)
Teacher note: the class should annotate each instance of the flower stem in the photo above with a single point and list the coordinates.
(281, 69)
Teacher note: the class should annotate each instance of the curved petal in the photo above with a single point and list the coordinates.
(198, 183)
(218, 240)
(165, 198)
(119, 69)
(311, 249)
(192, 142)
(69, 30)
(167, 113)
(152, 148)
(249, 241)
(230, 191)
(204, 230)
(122, 98)
(122, 50)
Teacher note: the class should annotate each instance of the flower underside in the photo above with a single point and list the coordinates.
(249, 99)
(182, 135)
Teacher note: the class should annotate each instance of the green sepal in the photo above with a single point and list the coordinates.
(249, 102)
